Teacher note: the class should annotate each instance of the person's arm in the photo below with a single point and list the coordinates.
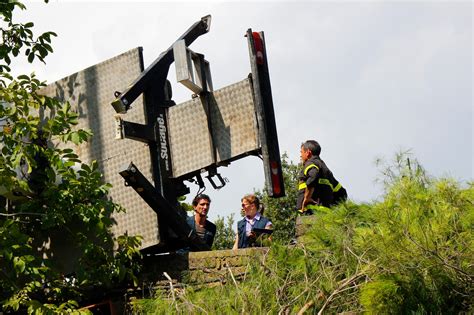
(307, 199)
(236, 243)
(310, 184)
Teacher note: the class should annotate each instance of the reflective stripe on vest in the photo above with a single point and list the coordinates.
(308, 168)
(325, 181)
(322, 181)
(302, 186)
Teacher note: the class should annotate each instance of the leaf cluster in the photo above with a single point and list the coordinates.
(18, 37)
(225, 234)
(52, 198)
(56, 246)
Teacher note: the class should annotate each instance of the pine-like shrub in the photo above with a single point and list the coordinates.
(409, 252)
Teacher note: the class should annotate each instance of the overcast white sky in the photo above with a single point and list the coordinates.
(365, 79)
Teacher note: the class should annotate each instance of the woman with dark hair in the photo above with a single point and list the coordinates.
(205, 229)
(252, 221)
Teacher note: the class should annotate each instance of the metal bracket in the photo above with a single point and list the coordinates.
(212, 173)
(192, 70)
(161, 65)
(134, 131)
(200, 182)
(118, 127)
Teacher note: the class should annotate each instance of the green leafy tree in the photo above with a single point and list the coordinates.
(225, 234)
(282, 211)
(55, 240)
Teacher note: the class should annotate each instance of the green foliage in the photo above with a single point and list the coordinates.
(277, 282)
(411, 252)
(185, 207)
(17, 37)
(381, 297)
(225, 234)
(55, 240)
(400, 167)
(414, 247)
(282, 211)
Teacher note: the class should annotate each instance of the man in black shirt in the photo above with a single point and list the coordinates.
(317, 188)
(205, 229)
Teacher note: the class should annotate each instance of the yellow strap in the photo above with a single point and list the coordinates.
(308, 168)
(325, 181)
(322, 181)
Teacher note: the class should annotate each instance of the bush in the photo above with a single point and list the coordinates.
(411, 252)
(225, 235)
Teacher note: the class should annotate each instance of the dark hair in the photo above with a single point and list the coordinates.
(313, 146)
(199, 197)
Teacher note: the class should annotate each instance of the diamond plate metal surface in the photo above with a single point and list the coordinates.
(90, 93)
(233, 125)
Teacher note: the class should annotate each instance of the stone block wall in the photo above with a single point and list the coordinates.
(199, 268)
(210, 267)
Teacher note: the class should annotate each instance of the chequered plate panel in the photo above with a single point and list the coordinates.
(90, 93)
(233, 125)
